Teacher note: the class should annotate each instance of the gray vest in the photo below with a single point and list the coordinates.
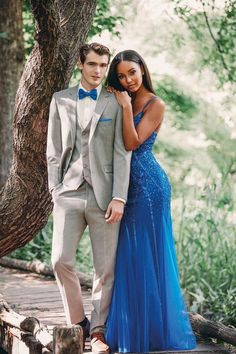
(79, 166)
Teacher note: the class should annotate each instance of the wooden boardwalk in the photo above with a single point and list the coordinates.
(33, 295)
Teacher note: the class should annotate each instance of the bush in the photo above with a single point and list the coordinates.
(206, 252)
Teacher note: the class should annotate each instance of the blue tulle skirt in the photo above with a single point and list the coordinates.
(147, 311)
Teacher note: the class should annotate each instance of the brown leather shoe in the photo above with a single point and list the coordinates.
(98, 343)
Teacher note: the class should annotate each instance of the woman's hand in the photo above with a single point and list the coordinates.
(122, 97)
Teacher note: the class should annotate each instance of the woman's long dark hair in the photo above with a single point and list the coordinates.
(128, 55)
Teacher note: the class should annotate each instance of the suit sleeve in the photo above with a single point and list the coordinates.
(121, 162)
(54, 146)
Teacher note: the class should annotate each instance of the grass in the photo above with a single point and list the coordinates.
(205, 244)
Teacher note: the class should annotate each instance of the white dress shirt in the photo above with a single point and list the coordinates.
(86, 108)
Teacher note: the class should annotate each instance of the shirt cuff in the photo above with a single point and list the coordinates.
(120, 199)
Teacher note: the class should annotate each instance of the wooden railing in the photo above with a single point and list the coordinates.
(26, 335)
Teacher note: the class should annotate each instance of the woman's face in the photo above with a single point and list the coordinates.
(130, 75)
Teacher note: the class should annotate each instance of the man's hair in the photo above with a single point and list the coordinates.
(96, 47)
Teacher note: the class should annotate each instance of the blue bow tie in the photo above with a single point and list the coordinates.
(82, 94)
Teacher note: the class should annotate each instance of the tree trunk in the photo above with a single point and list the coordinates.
(11, 65)
(61, 27)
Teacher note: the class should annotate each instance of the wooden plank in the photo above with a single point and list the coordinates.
(201, 348)
(24, 292)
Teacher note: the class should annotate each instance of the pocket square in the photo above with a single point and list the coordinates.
(103, 119)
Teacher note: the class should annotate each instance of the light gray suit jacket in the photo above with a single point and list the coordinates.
(109, 161)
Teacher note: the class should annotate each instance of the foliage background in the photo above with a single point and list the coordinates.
(189, 47)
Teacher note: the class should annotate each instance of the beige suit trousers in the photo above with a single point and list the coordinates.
(73, 211)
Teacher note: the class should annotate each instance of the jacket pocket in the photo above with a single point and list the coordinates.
(103, 119)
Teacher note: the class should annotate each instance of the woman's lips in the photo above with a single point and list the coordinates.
(130, 87)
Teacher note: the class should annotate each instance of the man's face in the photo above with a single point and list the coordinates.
(93, 70)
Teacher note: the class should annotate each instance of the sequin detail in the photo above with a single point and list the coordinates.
(147, 178)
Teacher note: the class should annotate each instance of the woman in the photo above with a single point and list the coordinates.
(147, 311)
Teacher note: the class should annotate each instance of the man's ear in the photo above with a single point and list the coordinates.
(80, 65)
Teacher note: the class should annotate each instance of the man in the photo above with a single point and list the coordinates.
(88, 174)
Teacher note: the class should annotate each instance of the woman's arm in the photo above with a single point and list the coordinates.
(151, 121)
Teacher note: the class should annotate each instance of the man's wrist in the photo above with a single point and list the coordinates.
(119, 199)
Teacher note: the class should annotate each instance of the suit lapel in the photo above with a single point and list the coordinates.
(100, 106)
(72, 111)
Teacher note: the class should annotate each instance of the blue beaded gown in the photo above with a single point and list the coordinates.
(147, 310)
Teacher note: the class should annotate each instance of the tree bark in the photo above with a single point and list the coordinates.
(11, 65)
(68, 340)
(61, 27)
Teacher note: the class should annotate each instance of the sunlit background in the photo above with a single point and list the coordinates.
(189, 47)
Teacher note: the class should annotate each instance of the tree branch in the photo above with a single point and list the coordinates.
(213, 37)
(212, 329)
(46, 20)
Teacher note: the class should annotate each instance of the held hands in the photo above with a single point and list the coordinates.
(114, 211)
(122, 97)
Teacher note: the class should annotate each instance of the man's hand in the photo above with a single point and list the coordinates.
(114, 211)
